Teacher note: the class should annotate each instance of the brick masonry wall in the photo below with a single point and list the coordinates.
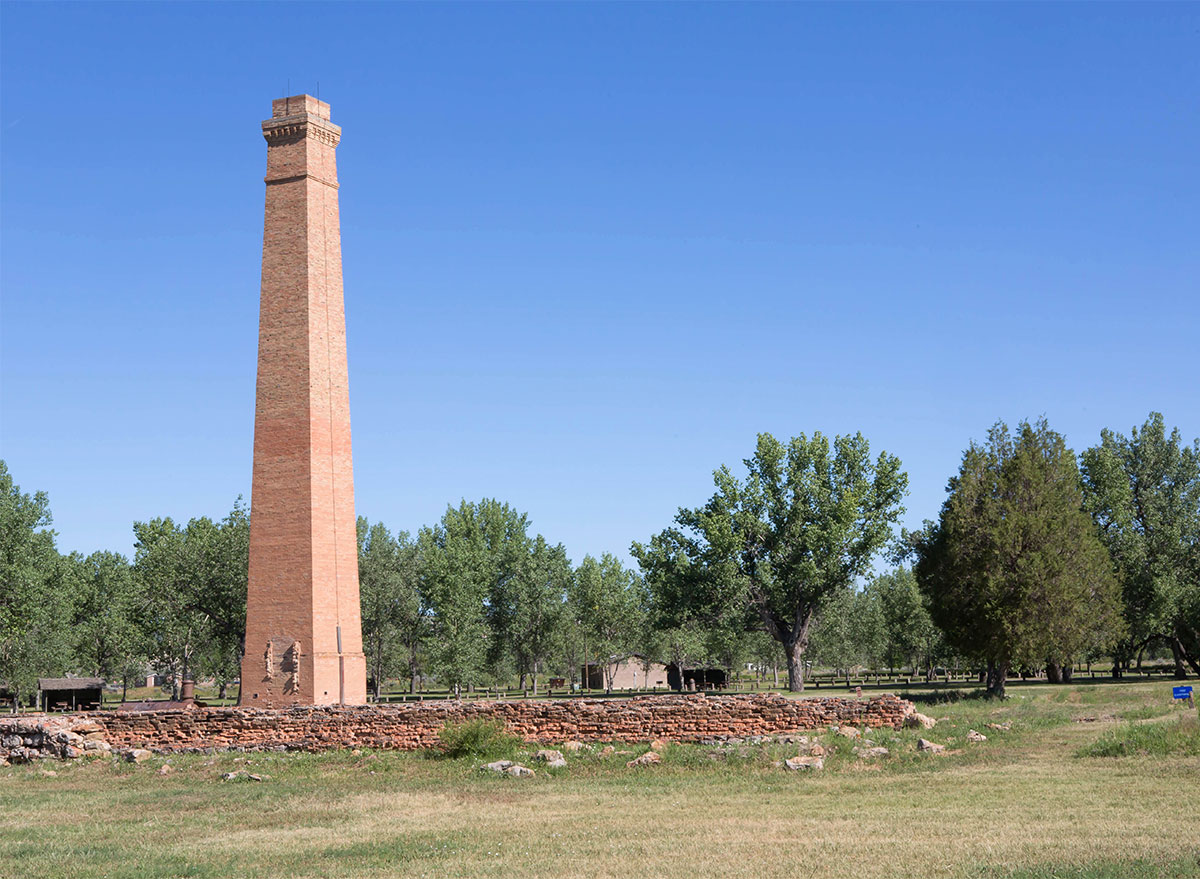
(681, 718)
(303, 574)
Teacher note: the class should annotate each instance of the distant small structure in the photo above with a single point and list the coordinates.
(70, 694)
(695, 678)
(633, 672)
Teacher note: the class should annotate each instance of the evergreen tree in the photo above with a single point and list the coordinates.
(1013, 569)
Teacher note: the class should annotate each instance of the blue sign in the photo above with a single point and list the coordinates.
(1182, 692)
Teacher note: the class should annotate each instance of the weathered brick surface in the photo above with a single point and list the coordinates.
(413, 726)
(303, 579)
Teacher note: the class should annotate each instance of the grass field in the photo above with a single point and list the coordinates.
(1027, 803)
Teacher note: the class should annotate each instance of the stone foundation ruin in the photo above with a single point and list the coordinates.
(412, 726)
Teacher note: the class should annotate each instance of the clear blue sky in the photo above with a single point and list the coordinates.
(591, 250)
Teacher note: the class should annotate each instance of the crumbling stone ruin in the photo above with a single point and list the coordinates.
(412, 726)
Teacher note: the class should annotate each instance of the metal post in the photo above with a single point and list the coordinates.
(341, 669)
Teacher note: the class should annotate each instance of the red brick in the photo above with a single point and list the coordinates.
(303, 579)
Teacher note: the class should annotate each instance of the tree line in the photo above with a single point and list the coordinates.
(1039, 558)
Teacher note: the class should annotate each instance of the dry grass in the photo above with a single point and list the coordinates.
(1020, 805)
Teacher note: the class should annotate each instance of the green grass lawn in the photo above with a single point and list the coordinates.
(1027, 803)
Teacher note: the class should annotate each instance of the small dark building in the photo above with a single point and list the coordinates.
(695, 678)
(70, 694)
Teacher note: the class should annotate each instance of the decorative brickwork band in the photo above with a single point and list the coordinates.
(293, 131)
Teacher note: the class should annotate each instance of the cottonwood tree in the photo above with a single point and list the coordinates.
(466, 559)
(607, 603)
(192, 580)
(1013, 569)
(108, 640)
(1144, 493)
(223, 594)
(805, 523)
(34, 590)
(529, 609)
(910, 637)
(685, 623)
(849, 631)
(395, 621)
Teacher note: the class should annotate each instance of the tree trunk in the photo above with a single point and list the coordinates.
(1190, 658)
(1177, 652)
(997, 677)
(1053, 673)
(1068, 672)
(795, 664)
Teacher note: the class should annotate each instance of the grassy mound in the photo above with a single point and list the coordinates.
(1166, 737)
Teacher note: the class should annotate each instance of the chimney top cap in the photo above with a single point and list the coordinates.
(299, 105)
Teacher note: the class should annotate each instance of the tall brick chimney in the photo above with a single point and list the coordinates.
(303, 626)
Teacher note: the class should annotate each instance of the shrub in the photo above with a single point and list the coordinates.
(1151, 739)
(478, 738)
(946, 697)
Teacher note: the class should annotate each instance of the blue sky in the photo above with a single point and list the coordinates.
(592, 249)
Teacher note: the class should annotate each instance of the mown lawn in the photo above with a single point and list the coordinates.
(1025, 804)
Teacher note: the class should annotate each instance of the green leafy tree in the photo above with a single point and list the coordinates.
(1144, 493)
(529, 609)
(35, 604)
(910, 637)
(687, 625)
(465, 560)
(173, 626)
(1013, 568)
(608, 604)
(849, 631)
(193, 585)
(395, 621)
(226, 564)
(108, 640)
(772, 549)
(766, 654)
